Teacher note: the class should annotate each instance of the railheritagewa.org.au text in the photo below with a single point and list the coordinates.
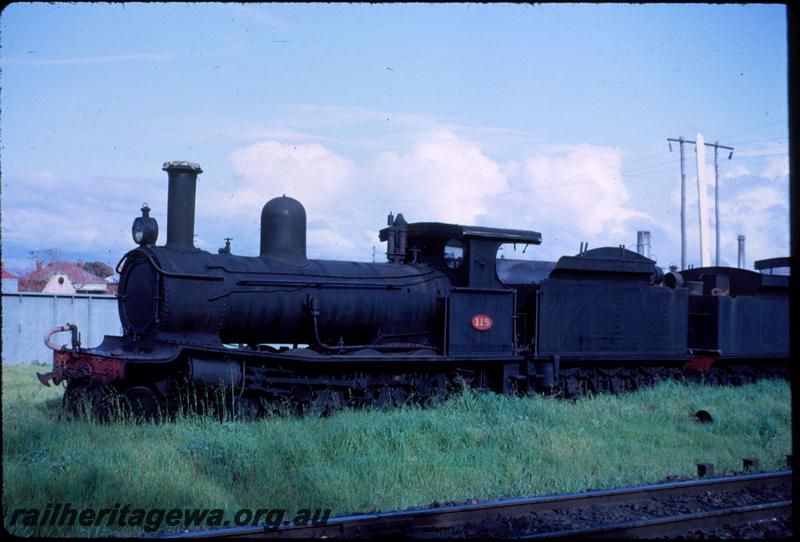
(155, 519)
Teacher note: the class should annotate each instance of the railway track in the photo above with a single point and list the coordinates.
(755, 497)
(676, 525)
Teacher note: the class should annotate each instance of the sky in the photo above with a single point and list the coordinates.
(552, 118)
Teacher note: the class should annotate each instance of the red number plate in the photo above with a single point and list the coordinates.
(482, 322)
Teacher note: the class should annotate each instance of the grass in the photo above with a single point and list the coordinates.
(475, 445)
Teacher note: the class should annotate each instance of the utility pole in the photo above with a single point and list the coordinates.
(717, 146)
(683, 196)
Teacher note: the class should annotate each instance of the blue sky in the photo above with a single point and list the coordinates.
(550, 117)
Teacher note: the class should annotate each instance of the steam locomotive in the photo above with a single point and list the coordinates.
(442, 308)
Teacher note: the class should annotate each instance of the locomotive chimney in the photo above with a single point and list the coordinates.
(643, 243)
(283, 231)
(180, 203)
(741, 251)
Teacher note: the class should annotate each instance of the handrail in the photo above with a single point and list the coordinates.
(58, 329)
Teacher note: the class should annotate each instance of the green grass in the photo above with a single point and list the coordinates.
(476, 445)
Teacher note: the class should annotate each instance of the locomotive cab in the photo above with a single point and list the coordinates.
(466, 253)
(480, 312)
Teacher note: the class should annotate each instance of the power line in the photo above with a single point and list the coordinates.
(730, 136)
(750, 153)
(763, 140)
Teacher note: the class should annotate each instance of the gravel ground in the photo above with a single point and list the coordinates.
(757, 529)
(594, 516)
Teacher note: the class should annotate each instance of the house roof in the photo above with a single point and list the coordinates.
(6, 274)
(37, 279)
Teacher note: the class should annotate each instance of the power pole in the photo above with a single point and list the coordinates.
(683, 196)
(717, 146)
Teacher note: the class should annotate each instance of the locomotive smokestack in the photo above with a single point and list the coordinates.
(180, 203)
(741, 251)
(643, 243)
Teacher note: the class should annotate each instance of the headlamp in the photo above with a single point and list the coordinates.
(145, 228)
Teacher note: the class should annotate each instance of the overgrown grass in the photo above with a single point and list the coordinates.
(475, 445)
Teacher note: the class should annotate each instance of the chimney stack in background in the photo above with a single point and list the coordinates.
(643, 243)
(741, 251)
(38, 265)
(180, 203)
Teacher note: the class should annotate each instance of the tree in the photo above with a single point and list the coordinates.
(99, 269)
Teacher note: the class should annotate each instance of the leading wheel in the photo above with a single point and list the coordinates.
(248, 408)
(105, 401)
(76, 401)
(144, 403)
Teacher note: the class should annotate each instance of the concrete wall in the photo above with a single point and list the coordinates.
(27, 316)
(10, 285)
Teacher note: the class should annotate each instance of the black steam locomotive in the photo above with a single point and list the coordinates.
(356, 333)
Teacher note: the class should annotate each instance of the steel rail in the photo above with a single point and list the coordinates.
(675, 524)
(434, 518)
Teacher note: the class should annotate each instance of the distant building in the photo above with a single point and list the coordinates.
(112, 284)
(10, 280)
(62, 278)
(59, 284)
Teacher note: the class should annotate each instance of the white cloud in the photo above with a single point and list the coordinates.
(582, 186)
(570, 193)
(755, 212)
(328, 242)
(445, 175)
(86, 214)
(759, 198)
(309, 173)
(777, 168)
(753, 209)
(735, 172)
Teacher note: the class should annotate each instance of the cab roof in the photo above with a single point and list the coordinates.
(460, 233)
